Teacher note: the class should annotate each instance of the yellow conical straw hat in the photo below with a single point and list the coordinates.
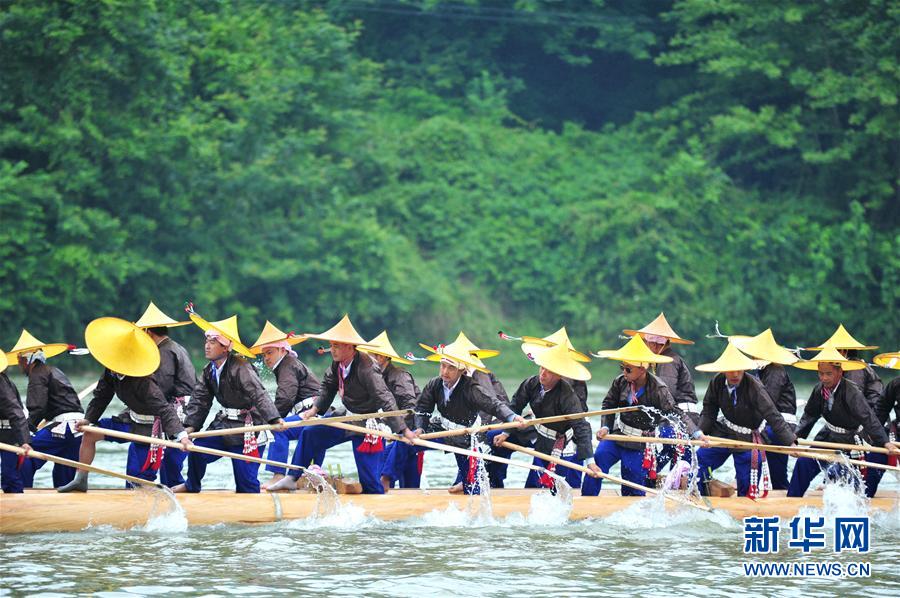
(763, 347)
(458, 353)
(558, 359)
(227, 328)
(841, 339)
(635, 352)
(463, 341)
(272, 334)
(830, 355)
(154, 318)
(888, 360)
(3, 362)
(29, 344)
(660, 327)
(731, 360)
(122, 347)
(381, 345)
(560, 337)
(342, 332)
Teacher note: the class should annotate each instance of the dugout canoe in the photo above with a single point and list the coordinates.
(49, 511)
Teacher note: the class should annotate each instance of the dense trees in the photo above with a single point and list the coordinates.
(428, 166)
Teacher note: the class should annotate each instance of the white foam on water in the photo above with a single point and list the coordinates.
(345, 516)
(839, 499)
(547, 509)
(651, 513)
(166, 513)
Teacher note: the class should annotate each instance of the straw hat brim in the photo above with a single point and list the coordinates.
(675, 340)
(122, 347)
(3, 363)
(479, 353)
(50, 350)
(393, 357)
(467, 360)
(778, 355)
(890, 361)
(566, 367)
(542, 342)
(237, 345)
(848, 366)
(292, 340)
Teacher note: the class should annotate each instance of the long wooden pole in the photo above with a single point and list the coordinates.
(606, 476)
(847, 447)
(439, 446)
(299, 424)
(77, 464)
(528, 422)
(181, 447)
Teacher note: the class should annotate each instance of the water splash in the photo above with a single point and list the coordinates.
(343, 517)
(166, 513)
(547, 508)
(651, 513)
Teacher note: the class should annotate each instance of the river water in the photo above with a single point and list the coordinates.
(643, 550)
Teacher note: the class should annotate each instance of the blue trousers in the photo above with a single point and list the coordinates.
(318, 439)
(172, 466)
(806, 470)
(280, 445)
(711, 459)
(573, 477)
(873, 476)
(45, 442)
(245, 472)
(609, 453)
(137, 451)
(11, 480)
(401, 464)
(496, 471)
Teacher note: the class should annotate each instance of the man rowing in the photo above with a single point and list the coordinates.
(772, 357)
(890, 400)
(130, 357)
(634, 386)
(737, 406)
(296, 390)
(354, 378)
(176, 378)
(849, 419)
(13, 430)
(232, 381)
(459, 401)
(402, 461)
(549, 394)
(865, 378)
(561, 337)
(53, 408)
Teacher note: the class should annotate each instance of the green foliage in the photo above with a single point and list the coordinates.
(432, 166)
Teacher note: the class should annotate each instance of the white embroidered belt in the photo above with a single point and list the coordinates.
(235, 414)
(371, 423)
(740, 429)
(66, 422)
(140, 418)
(689, 407)
(631, 430)
(570, 448)
(445, 423)
(840, 430)
(303, 405)
(5, 424)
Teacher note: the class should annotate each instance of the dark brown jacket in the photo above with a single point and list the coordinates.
(11, 409)
(239, 387)
(778, 385)
(49, 394)
(889, 400)
(677, 376)
(176, 375)
(869, 383)
(465, 404)
(140, 395)
(403, 387)
(296, 383)
(655, 394)
(559, 400)
(849, 410)
(753, 406)
(364, 391)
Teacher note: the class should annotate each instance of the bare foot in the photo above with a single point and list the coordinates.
(285, 484)
(179, 488)
(276, 477)
(386, 482)
(456, 489)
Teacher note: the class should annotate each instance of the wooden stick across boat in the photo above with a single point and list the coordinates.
(605, 476)
(83, 466)
(846, 447)
(181, 447)
(439, 446)
(528, 422)
(300, 424)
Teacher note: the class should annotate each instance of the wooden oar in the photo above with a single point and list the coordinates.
(847, 447)
(77, 464)
(438, 446)
(301, 423)
(181, 447)
(528, 422)
(600, 474)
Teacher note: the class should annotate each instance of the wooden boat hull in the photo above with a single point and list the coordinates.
(48, 511)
